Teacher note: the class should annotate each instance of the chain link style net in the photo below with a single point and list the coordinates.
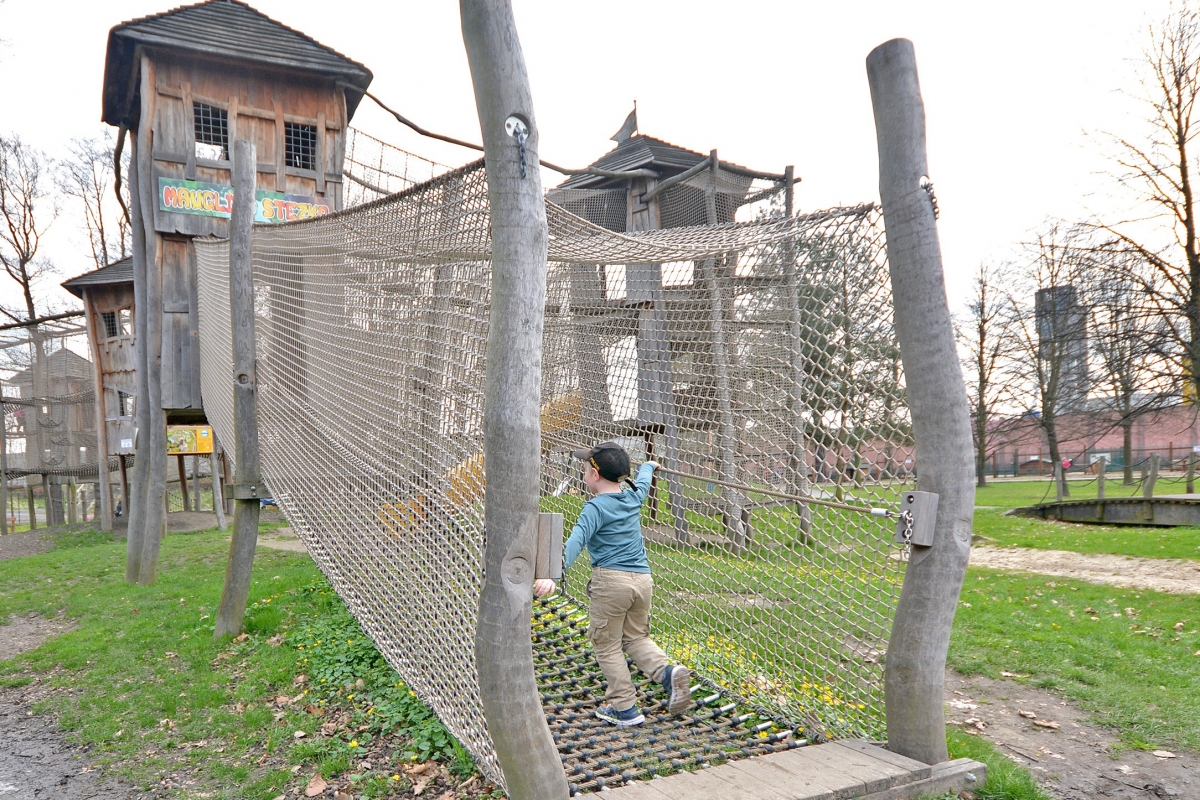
(755, 360)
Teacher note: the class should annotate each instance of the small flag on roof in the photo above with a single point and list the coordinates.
(628, 128)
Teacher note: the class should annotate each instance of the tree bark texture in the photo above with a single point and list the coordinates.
(916, 662)
(512, 391)
(240, 564)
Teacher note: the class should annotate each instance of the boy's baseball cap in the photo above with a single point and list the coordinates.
(609, 459)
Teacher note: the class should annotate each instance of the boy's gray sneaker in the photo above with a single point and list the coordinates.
(678, 681)
(622, 719)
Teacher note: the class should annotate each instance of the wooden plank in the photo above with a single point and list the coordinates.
(805, 764)
(183, 483)
(188, 125)
(640, 790)
(764, 771)
(875, 774)
(704, 785)
(913, 767)
(231, 113)
(280, 150)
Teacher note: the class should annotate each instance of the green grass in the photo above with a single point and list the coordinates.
(152, 692)
(1016, 493)
(1124, 540)
(1126, 656)
(1006, 780)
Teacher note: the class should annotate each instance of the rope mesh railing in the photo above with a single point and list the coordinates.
(756, 360)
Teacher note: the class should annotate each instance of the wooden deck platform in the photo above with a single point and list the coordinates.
(843, 770)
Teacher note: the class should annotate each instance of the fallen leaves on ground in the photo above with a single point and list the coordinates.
(1163, 754)
(1028, 714)
(1045, 723)
(316, 786)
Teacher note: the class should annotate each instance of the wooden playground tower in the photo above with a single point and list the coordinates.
(184, 84)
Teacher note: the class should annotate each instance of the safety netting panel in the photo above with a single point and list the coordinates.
(755, 360)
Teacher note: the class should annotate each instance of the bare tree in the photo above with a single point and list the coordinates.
(986, 342)
(87, 177)
(1048, 323)
(1129, 341)
(27, 211)
(1160, 170)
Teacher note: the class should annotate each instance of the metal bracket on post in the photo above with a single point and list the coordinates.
(548, 563)
(918, 511)
(246, 491)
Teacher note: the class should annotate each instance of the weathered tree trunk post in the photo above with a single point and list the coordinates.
(916, 659)
(512, 388)
(1058, 482)
(1191, 472)
(1101, 468)
(245, 401)
(32, 505)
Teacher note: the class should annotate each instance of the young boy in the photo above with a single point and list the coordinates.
(621, 587)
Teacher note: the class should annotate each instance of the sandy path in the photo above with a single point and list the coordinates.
(1160, 574)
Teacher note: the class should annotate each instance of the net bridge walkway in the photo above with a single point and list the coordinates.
(754, 358)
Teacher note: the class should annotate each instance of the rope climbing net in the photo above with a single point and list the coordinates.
(756, 360)
(49, 403)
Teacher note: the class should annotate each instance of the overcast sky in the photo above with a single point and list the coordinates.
(1018, 94)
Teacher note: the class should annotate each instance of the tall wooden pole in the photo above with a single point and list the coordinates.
(133, 498)
(102, 475)
(512, 388)
(916, 660)
(245, 399)
(152, 443)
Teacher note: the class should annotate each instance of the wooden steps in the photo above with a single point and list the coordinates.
(843, 770)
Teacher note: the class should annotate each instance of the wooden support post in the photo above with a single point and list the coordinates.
(914, 683)
(1151, 478)
(728, 446)
(240, 564)
(102, 476)
(1058, 482)
(798, 475)
(124, 467)
(71, 508)
(216, 468)
(1191, 472)
(32, 507)
(183, 482)
(512, 706)
(196, 483)
(1101, 468)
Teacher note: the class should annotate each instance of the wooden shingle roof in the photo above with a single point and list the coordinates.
(116, 272)
(225, 30)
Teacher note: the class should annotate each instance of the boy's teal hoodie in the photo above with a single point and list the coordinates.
(610, 527)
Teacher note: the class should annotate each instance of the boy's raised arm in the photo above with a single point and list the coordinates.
(581, 534)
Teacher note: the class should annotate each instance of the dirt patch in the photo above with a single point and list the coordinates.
(36, 760)
(30, 543)
(190, 521)
(283, 538)
(22, 634)
(1072, 757)
(1127, 572)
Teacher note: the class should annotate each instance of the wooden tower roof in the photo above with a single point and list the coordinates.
(224, 30)
(116, 272)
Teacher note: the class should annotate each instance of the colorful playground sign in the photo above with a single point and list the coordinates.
(189, 439)
(216, 200)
